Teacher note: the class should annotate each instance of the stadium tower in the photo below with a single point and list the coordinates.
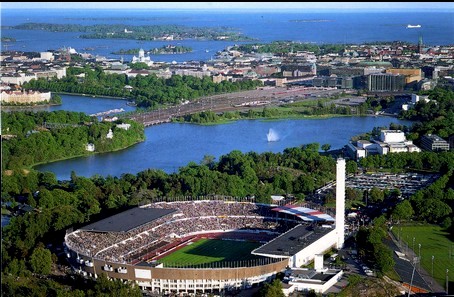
(340, 202)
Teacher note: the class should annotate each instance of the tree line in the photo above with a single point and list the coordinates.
(435, 116)
(148, 91)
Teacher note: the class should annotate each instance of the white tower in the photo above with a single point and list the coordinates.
(340, 202)
(141, 54)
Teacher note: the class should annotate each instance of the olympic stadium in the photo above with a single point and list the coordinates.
(206, 246)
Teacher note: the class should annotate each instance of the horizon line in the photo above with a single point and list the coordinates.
(234, 8)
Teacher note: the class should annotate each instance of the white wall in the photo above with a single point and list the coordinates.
(392, 136)
(318, 247)
(340, 202)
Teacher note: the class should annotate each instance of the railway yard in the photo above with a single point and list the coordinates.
(244, 100)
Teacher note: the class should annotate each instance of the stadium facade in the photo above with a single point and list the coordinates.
(128, 246)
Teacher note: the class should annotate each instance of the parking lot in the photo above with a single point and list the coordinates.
(406, 183)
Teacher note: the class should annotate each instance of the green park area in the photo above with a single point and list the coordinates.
(434, 247)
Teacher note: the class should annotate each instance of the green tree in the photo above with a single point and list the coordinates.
(326, 147)
(353, 194)
(376, 195)
(41, 261)
(105, 287)
(272, 290)
(403, 211)
(351, 167)
(383, 258)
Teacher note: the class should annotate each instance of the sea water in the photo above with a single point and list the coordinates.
(437, 28)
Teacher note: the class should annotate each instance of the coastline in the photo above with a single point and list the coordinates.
(93, 96)
(16, 107)
(31, 167)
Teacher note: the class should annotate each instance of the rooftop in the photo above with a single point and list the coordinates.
(292, 241)
(128, 220)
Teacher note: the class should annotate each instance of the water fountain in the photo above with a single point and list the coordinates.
(272, 135)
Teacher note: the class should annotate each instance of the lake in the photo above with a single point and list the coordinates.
(170, 146)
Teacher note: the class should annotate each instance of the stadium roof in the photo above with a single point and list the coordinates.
(128, 220)
(292, 241)
(306, 214)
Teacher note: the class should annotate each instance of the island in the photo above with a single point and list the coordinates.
(285, 47)
(311, 21)
(145, 32)
(8, 39)
(165, 49)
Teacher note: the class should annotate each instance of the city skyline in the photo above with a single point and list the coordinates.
(281, 6)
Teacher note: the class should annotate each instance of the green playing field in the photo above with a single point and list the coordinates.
(206, 251)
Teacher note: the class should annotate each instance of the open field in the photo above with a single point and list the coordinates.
(434, 242)
(209, 251)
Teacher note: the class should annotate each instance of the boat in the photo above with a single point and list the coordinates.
(413, 26)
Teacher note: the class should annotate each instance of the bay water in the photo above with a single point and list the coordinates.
(170, 146)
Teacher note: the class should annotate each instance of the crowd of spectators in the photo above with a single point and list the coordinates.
(191, 217)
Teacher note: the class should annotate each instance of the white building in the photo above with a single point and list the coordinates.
(305, 280)
(391, 141)
(415, 99)
(394, 141)
(47, 56)
(124, 126)
(17, 78)
(24, 97)
(90, 147)
(392, 136)
(142, 58)
(109, 134)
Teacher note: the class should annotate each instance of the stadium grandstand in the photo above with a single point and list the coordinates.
(132, 245)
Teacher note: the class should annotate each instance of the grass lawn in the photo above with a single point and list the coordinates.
(434, 242)
(207, 251)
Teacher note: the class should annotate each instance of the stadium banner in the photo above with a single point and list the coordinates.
(142, 273)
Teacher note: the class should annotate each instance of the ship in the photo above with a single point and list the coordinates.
(413, 26)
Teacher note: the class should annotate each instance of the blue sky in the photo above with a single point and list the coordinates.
(237, 5)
